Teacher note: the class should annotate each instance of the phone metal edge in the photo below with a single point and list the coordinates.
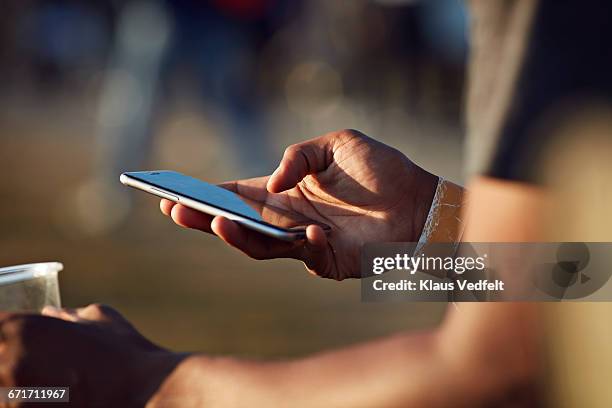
(125, 179)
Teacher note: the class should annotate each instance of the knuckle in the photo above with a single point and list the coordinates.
(94, 310)
(291, 150)
(350, 134)
(99, 311)
(93, 307)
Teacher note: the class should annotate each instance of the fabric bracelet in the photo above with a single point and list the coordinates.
(444, 221)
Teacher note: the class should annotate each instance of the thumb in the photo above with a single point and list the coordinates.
(300, 160)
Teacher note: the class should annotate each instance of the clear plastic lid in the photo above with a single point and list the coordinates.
(17, 273)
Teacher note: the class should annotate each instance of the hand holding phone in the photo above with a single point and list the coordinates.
(362, 189)
(253, 213)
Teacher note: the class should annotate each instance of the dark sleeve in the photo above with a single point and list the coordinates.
(568, 58)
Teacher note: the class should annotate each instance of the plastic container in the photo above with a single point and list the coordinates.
(30, 287)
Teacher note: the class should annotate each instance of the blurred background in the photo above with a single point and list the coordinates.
(215, 89)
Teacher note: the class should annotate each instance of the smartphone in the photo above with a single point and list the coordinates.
(214, 200)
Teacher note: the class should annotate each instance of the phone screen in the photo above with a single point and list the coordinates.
(198, 190)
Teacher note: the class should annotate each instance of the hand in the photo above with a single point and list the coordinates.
(92, 350)
(366, 191)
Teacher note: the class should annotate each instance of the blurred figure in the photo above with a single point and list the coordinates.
(46, 45)
(218, 40)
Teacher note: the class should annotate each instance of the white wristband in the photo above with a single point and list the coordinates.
(444, 221)
(432, 217)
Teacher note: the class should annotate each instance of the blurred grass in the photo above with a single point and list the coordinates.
(183, 289)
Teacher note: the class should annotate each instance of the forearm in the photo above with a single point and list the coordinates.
(403, 370)
(470, 360)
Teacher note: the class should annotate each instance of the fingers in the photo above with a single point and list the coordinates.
(67, 314)
(189, 218)
(250, 242)
(316, 251)
(94, 312)
(313, 251)
(99, 313)
(185, 216)
(299, 160)
(78, 315)
(230, 232)
(316, 237)
(166, 206)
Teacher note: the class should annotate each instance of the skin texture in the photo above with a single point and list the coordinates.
(482, 354)
(366, 191)
(93, 350)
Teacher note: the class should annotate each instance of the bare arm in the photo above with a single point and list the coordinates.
(471, 360)
(483, 353)
(373, 374)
